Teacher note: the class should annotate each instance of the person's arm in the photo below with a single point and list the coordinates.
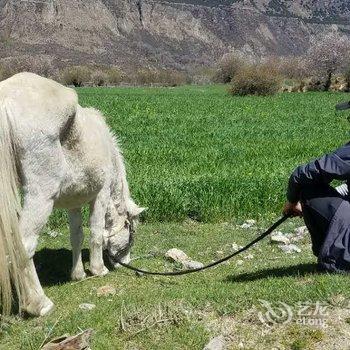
(332, 166)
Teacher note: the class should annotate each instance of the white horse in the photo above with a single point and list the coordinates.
(60, 155)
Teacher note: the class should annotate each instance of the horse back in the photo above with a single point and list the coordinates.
(38, 106)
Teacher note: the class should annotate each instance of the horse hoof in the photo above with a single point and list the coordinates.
(100, 272)
(47, 308)
(40, 307)
(78, 276)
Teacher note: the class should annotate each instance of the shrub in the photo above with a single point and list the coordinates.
(76, 75)
(340, 83)
(99, 77)
(164, 77)
(228, 67)
(114, 76)
(5, 72)
(293, 67)
(174, 78)
(313, 84)
(41, 65)
(202, 76)
(347, 78)
(256, 80)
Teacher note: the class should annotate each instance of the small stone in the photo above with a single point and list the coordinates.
(301, 231)
(279, 237)
(245, 225)
(239, 262)
(217, 343)
(249, 257)
(290, 248)
(87, 306)
(248, 224)
(193, 265)
(176, 255)
(139, 274)
(54, 234)
(179, 256)
(296, 238)
(234, 247)
(106, 291)
(219, 253)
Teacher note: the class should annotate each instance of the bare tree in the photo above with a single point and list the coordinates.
(327, 55)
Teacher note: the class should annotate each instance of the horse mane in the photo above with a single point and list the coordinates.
(120, 188)
(120, 193)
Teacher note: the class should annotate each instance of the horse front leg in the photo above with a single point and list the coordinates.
(97, 226)
(76, 239)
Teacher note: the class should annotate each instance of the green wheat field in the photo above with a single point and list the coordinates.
(202, 161)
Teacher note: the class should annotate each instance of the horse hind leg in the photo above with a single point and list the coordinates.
(76, 239)
(34, 215)
(42, 174)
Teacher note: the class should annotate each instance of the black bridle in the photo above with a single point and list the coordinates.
(220, 261)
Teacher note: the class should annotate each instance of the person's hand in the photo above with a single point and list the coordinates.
(293, 209)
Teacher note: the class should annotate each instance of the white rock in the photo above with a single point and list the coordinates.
(279, 237)
(301, 231)
(239, 262)
(219, 253)
(249, 256)
(250, 222)
(54, 234)
(179, 256)
(87, 306)
(245, 225)
(217, 343)
(192, 265)
(176, 255)
(234, 247)
(290, 248)
(296, 238)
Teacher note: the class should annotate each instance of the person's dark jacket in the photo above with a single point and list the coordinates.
(332, 247)
(323, 170)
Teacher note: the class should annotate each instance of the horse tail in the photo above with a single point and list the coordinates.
(12, 253)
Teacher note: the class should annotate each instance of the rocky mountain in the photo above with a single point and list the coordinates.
(165, 33)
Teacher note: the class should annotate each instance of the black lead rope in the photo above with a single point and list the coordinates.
(185, 272)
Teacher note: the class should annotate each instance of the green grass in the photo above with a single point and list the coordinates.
(190, 304)
(197, 152)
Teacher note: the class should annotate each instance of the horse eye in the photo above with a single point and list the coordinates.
(127, 224)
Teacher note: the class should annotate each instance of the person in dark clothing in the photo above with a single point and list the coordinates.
(325, 209)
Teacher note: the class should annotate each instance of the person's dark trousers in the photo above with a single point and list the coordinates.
(327, 216)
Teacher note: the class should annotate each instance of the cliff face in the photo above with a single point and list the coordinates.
(168, 33)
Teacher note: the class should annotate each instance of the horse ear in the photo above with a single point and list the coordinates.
(133, 209)
(137, 211)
